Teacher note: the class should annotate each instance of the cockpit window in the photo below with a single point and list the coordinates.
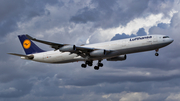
(165, 36)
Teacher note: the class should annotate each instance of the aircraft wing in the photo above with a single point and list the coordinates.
(83, 51)
(52, 44)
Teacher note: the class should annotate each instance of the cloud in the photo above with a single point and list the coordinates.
(122, 36)
(134, 96)
(15, 89)
(14, 12)
(140, 32)
(163, 25)
(173, 97)
(113, 13)
(141, 77)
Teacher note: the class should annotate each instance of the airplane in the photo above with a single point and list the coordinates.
(111, 51)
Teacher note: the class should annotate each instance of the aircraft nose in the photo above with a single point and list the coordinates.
(171, 40)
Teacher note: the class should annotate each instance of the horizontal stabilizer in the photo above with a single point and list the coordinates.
(21, 55)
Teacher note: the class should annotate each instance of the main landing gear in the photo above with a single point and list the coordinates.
(90, 63)
(157, 54)
(99, 64)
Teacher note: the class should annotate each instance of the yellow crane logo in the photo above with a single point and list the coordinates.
(26, 44)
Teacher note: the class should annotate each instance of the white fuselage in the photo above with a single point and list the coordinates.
(117, 47)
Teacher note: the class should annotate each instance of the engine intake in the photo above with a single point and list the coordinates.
(119, 58)
(68, 48)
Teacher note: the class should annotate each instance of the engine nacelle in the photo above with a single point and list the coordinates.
(119, 58)
(96, 53)
(68, 48)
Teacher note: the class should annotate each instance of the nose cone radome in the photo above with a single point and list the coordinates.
(171, 40)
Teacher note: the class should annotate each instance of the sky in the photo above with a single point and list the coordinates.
(141, 77)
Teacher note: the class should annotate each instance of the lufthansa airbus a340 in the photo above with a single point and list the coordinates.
(111, 51)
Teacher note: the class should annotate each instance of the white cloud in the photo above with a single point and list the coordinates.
(69, 81)
(173, 97)
(127, 96)
(134, 96)
(106, 96)
(9, 90)
(133, 26)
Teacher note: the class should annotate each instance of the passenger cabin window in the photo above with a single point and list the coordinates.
(165, 36)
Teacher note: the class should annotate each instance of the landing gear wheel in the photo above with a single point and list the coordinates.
(96, 67)
(100, 64)
(90, 64)
(83, 65)
(156, 54)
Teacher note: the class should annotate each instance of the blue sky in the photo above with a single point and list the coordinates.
(142, 77)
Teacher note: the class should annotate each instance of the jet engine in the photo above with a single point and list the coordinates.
(96, 53)
(68, 48)
(119, 58)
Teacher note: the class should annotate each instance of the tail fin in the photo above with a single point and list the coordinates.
(28, 46)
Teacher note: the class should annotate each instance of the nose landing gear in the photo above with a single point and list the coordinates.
(157, 54)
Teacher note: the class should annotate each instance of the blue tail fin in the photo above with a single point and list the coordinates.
(28, 46)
